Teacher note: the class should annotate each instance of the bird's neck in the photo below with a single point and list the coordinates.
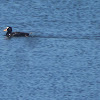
(8, 33)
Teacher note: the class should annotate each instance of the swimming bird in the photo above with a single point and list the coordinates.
(15, 34)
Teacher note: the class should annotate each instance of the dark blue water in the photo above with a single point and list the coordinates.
(61, 58)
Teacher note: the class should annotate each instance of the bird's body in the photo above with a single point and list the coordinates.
(18, 34)
(15, 34)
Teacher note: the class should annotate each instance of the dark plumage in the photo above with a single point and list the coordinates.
(15, 34)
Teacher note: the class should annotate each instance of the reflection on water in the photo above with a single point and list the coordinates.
(60, 60)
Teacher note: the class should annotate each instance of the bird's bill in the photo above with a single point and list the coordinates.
(6, 29)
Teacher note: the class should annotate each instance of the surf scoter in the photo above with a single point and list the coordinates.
(15, 34)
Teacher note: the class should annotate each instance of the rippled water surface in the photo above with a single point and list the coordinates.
(61, 58)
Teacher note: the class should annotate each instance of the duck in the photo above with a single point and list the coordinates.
(15, 34)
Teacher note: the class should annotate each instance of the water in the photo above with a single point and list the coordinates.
(60, 60)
